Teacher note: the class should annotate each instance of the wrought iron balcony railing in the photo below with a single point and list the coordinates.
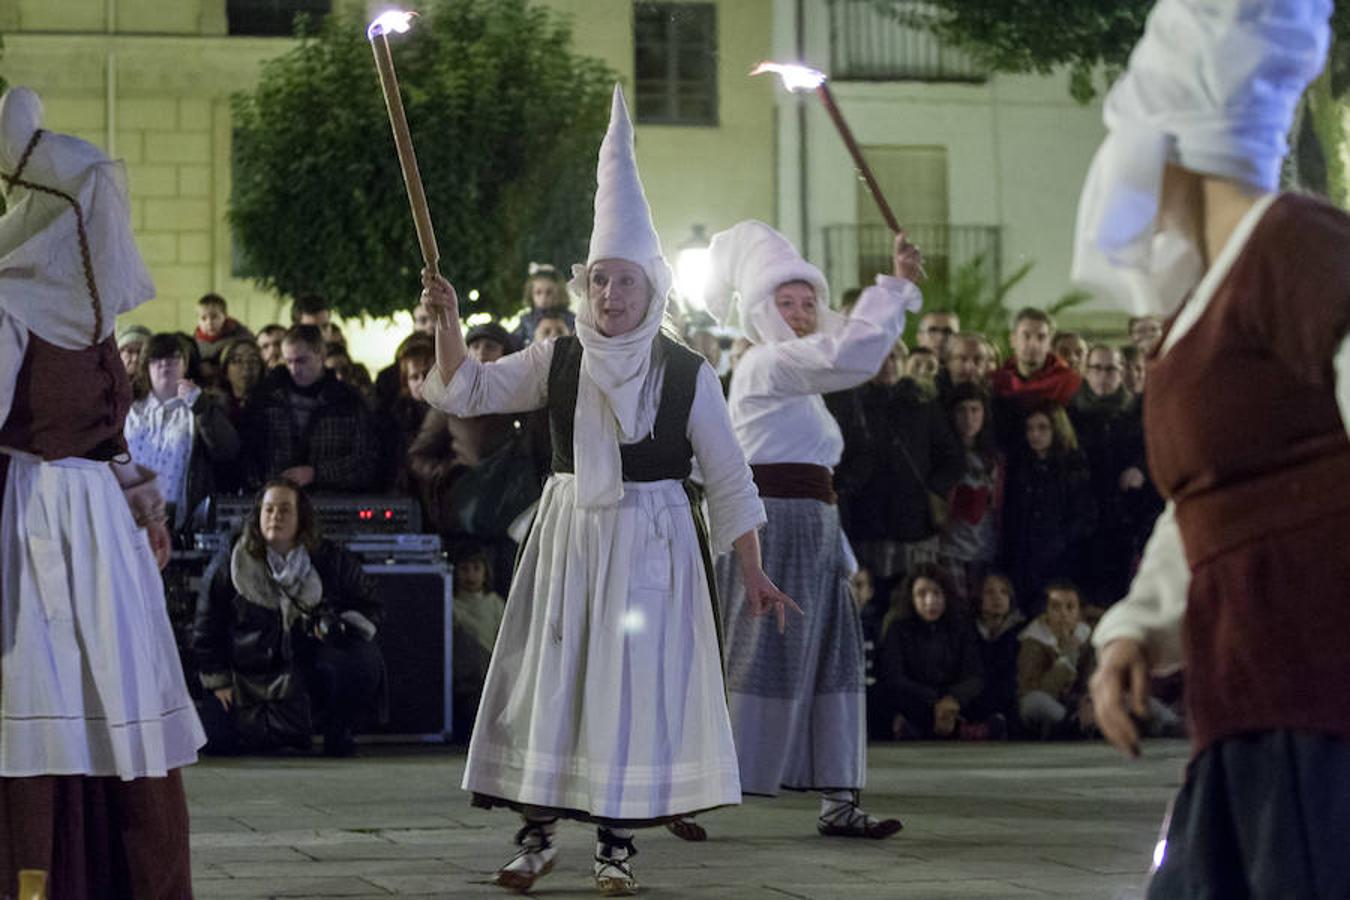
(869, 44)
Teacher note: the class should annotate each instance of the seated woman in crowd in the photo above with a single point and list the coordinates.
(404, 414)
(285, 634)
(997, 623)
(477, 616)
(1054, 662)
(178, 430)
(969, 541)
(928, 667)
(1048, 509)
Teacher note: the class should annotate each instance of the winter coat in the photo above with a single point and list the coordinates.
(241, 640)
(1014, 394)
(921, 662)
(445, 448)
(339, 440)
(881, 496)
(1048, 511)
(1042, 665)
(998, 649)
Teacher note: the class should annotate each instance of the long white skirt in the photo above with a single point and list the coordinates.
(604, 696)
(90, 681)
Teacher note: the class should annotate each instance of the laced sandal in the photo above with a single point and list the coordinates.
(613, 865)
(533, 860)
(848, 819)
(686, 829)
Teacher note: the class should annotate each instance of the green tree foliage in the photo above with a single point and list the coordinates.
(1088, 38)
(1092, 40)
(506, 117)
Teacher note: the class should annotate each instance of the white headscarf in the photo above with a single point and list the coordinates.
(615, 370)
(747, 263)
(44, 280)
(1212, 86)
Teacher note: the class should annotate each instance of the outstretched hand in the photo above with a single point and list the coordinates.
(764, 595)
(1119, 689)
(908, 259)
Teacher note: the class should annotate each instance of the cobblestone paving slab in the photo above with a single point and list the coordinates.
(981, 821)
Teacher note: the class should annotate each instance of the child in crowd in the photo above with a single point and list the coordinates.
(545, 293)
(551, 323)
(968, 544)
(1048, 509)
(215, 327)
(997, 623)
(477, 616)
(922, 365)
(1054, 662)
(928, 666)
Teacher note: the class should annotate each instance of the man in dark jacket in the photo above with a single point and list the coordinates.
(305, 425)
(1110, 429)
(898, 449)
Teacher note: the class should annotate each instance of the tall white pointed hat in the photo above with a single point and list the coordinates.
(623, 226)
(747, 263)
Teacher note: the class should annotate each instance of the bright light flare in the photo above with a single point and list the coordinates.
(691, 275)
(634, 622)
(1159, 854)
(395, 20)
(795, 78)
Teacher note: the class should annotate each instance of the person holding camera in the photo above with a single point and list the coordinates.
(285, 633)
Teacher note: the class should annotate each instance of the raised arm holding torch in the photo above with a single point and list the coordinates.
(378, 34)
(801, 78)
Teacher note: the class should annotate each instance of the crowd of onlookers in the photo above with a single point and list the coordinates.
(995, 507)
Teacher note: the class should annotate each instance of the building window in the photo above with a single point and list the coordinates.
(676, 66)
(272, 18)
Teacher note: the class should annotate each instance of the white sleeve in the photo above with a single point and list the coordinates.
(734, 506)
(515, 383)
(1341, 362)
(822, 363)
(1152, 611)
(13, 346)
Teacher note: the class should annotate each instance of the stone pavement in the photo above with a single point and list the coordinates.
(981, 821)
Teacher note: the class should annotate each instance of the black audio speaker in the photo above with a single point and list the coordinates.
(416, 641)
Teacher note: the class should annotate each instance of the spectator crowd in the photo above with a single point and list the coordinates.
(995, 507)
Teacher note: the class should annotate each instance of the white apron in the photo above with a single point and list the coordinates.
(605, 693)
(90, 681)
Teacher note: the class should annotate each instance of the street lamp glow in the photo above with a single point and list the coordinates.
(691, 275)
(795, 78)
(395, 20)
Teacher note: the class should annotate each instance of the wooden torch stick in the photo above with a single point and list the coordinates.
(859, 161)
(407, 158)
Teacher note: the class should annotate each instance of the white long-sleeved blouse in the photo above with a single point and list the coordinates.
(775, 400)
(519, 383)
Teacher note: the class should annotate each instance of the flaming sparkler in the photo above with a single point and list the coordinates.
(399, 22)
(801, 78)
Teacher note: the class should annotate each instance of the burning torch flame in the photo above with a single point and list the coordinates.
(795, 78)
(395, 20)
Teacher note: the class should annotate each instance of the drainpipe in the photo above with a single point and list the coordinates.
(110, 78)
(803, 181)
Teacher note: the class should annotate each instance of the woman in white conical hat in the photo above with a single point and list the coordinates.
(95, 718)
(1245, 578)
(797, 701)
(604, 699)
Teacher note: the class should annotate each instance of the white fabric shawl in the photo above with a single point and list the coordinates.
(1212, 86)
(611, 391)
(43, 280)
